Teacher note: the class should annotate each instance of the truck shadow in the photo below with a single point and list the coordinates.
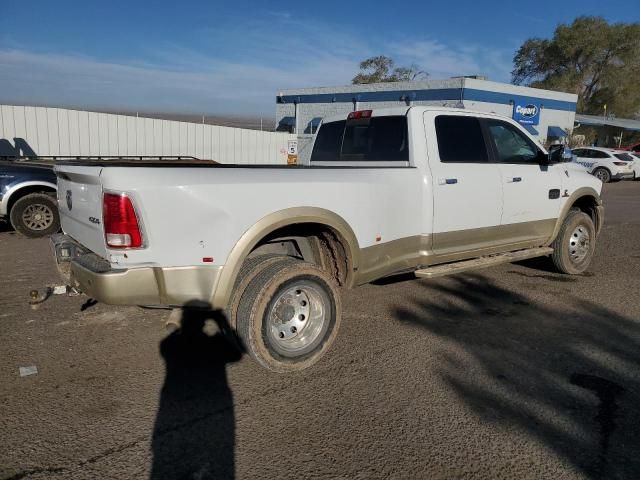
(194, 432)
(566, 377)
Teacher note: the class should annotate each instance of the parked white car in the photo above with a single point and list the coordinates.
(636, 165)
(428, 190)
(605, 164)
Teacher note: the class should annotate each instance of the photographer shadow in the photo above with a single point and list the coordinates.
(194, 432)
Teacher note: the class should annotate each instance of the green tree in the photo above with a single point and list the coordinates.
(381, 69)
(598, 61)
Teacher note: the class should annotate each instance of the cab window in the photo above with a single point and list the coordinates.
(328, 142)
(511, 145)
(376, 139)
(460, 139)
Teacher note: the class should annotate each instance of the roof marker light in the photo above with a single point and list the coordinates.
(359, 114)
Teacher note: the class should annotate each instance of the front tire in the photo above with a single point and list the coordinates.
(289, 315)
(35, 215)
(575, 244)
(602, 174)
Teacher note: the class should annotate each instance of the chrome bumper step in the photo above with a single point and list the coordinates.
(482, 262)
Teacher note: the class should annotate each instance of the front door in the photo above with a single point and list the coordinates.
(531, 190)
(467, 188)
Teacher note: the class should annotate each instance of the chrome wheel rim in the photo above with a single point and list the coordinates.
(37, 217)
(579, 244)
(602, 175)
(297, 318)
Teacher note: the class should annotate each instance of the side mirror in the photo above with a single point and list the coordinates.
(544, 159)
(558, 154)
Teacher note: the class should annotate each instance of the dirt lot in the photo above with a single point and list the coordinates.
(514, 372)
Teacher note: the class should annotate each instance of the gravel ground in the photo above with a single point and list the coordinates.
(512, 372)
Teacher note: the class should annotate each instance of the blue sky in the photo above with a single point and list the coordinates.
(232, 57)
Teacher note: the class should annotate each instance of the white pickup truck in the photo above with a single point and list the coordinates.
(428, 190)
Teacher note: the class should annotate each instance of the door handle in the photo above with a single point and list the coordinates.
(447, 181)
(515, 180)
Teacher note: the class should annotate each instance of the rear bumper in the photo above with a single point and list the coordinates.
(622, 175)
(94, 276)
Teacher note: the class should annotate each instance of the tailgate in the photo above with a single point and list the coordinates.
(80, 205)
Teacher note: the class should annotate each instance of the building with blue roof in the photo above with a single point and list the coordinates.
(546, 114)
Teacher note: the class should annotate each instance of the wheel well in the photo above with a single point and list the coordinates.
(313, 243)
(24, 191)
(589, 206)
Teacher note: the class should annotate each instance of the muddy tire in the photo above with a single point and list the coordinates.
(289, 315)
(250, 268)
(35, 215)
(575, 244)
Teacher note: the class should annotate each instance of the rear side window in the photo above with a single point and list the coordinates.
(598, 154)
(376, 139)
(624, 156)
(328, 142)
(460, 139)
(381, 139)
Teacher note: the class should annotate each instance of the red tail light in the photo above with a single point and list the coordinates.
(121, 228)
(359, 114)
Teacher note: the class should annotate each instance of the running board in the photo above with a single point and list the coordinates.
(482, 262)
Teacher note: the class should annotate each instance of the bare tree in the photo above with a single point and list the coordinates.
(381, 69)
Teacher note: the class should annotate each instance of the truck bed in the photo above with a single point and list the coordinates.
(80, 162)
(138, 163)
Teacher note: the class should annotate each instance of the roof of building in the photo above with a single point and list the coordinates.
(445, 84)
(596, 120)
(455, 89)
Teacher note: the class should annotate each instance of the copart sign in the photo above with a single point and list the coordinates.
(526, 113)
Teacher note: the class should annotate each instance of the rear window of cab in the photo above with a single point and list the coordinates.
(375, 139)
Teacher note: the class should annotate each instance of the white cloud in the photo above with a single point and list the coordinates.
(218, 87)
(238, 69)
(443, 61)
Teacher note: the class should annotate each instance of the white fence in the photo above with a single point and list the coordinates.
(59, 131)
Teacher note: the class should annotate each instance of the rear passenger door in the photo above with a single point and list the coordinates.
(467, 188)
(531, 191)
